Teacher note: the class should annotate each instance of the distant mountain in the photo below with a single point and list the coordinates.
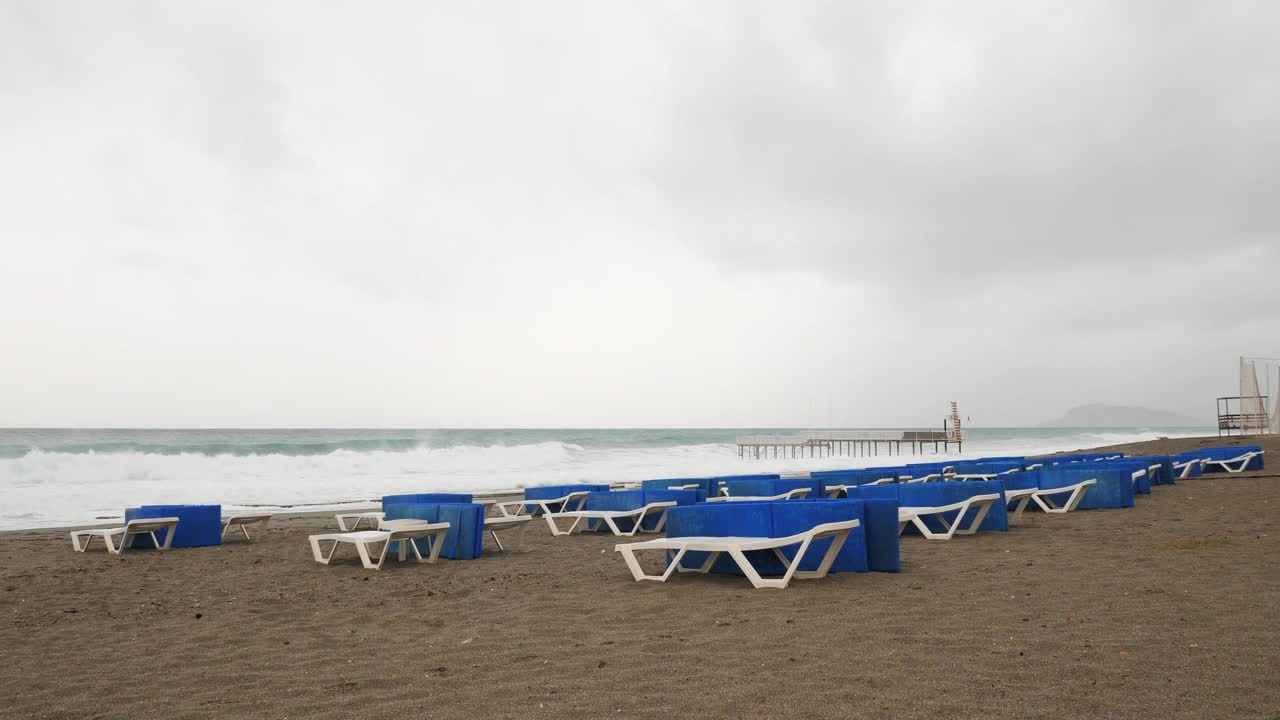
(1100, 415)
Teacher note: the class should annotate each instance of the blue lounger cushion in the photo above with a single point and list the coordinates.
(198, 525)
(856, 477)
(427, 498)
(1142, 485)
(705, 484)
(1229, 453)
(636, 499)
(1114, 488)
(871, 546)
(465, 538)
(551, 492)
(988, 467)
(768, 487)
(934, 494)
(719, 480)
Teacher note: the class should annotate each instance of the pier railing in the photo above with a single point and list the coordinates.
(819, 443)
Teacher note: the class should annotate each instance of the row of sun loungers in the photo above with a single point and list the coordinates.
(626, 513)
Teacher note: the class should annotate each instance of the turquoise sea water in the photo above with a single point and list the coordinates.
(51, 477)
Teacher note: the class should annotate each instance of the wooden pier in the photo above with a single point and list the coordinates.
(852, 443)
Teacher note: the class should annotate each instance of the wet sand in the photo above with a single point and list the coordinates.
(1167, 610)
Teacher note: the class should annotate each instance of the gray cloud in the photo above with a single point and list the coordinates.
(608, 214)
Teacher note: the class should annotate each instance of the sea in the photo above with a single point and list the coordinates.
(61, 477)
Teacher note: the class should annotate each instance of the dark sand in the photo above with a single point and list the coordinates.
(1167, 610)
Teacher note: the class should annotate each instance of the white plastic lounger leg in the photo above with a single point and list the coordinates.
(1020, 504)
(322, 557)
(629, 555)
(749, 570)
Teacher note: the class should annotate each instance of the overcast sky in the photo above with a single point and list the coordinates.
(632, 214)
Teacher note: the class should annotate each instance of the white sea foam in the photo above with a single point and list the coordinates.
(44, 488)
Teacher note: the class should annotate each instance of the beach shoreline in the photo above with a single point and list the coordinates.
(1165, 610)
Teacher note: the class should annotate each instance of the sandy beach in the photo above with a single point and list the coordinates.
(1166, 610)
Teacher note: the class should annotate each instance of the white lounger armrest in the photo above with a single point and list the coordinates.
(737, 547)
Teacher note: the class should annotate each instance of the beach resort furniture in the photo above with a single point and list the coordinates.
(941, 506)
(200, 526)
(1047, 499)
(466, 520)
(788, 495)
(348, 522)
(872, 546)
(610, 519)
(707, 485)
(1183, 469)
(496, 524)
(737, 547)
(1113, 487)
(1232, 460)
(80, 539)
(980, 504)
(240, 521)
(389, 531)
(547, 508)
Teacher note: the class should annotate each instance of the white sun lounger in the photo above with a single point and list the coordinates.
(498, 523)
(1241, 461)
(693, 486)
(240, 521)
(1044, 498)
(131, 529)
(974, 476)
(882, 481)
(569, 503)
(390, 531)
(923, 478)
(610, 518)
(835, 491)
(914, 515)
(356, 518)
(737, 547)
(788, 495)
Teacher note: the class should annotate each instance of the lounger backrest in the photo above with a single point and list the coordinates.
(427, 498)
